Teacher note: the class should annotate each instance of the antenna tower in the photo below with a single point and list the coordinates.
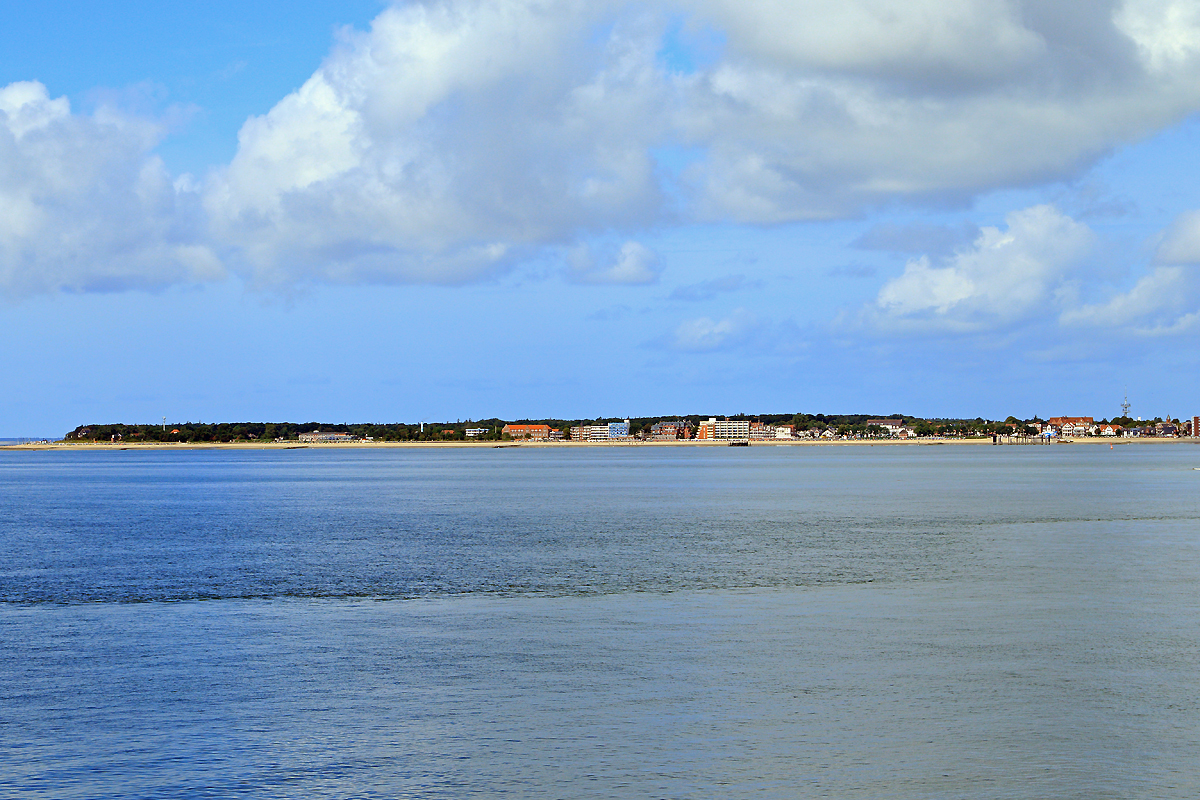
(1125, 405)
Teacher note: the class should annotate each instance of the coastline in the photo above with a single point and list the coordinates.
(930, 442)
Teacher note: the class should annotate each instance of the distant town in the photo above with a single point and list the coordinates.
(737, 428)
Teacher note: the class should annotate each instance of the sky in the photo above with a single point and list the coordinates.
(365, 211)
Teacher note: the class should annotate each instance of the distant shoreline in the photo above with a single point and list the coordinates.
(927, 442)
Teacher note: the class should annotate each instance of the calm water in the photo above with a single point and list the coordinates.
(774, 622)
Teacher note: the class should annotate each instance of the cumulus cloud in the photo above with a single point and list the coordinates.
(1181, 241)
(632, 264)
(1161, 303)
(820, 109)
(455, 138)
(448, 141)
(1004, 277)
(1038, 272)
(1164, 301)
(85, 205)
(459, 136)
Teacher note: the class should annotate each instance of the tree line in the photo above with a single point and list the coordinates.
(841, 424)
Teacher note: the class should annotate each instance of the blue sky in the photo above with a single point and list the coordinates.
(364, 211)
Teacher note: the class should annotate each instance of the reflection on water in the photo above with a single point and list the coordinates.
(762, 622)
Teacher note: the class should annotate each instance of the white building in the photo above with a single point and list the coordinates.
(723, 429)
(321, 437)
(600, 433)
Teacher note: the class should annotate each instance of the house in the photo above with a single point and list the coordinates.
(1071, 426)
(760, 432)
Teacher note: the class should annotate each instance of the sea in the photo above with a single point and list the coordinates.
(625, 622)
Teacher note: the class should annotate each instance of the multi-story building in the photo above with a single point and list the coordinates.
(761, 432)
(319, 437)
(723, 429)
(618, 430)
(474, 432)
(679, 429)
(1195, 426)
(892, 427)
(538, 432)
(1071, 426)
(600, 433)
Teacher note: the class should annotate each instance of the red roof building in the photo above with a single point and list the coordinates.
(527, 431)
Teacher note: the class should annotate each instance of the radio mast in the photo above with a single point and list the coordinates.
(1125, 405)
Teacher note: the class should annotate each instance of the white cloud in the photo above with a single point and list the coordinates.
(1163, 302)
(820, 109)
(1035, 273)
(84, 205)
(1181, 241)
(632, 264)
(924, 39)
(1004, 277)
(1166, 32)
(705, 334)
(457, 137)
(448, 141)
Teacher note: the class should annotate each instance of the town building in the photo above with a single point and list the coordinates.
(666, 431)
(760, 432)
(475, 432)
(600, 433)
(892, 427)
(1070, 426)
(319, 437)
(534, 432)
(723, 429)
